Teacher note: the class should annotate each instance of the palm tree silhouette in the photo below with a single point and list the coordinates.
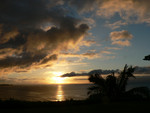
(147, 57)
(114, 87)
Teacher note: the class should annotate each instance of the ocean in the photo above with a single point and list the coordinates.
(44, 92)
(58, 92)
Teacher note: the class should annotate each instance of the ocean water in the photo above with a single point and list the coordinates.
(139, 81)
(44, 92)
(58, 92)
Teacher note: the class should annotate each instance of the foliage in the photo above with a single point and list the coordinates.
(147, 57)
(114, 87)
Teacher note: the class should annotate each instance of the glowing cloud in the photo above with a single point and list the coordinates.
(121, 38)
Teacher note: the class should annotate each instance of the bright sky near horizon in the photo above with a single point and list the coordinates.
(43, 39)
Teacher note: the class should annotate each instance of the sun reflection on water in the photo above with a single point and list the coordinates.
(60, 94)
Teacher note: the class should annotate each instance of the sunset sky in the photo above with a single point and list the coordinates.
(41, 40)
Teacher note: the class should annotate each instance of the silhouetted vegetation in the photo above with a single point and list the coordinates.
(147, 57)
(113, 87)
(73, 106)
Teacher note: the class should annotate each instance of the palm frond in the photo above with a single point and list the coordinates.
(97, 79)
(115, 87)
(124, 76)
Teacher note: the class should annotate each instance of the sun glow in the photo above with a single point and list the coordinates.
(57, 78)
(58, 73)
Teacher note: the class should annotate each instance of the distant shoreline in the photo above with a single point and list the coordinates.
(41, 84)
(6, 85)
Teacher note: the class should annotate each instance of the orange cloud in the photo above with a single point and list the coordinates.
(89, 55)
(121, 43)
(135, 11)
(121, 38)
(87, 42)
(132, 11)
(119, 35)
(116, 24)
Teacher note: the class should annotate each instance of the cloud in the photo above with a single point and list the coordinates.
(121, 38)
(137, 11)
(121, 43)
(25, 44)
(119, 35)
(98, 71)
(131, 11)
(106, 52)
(116, 24)
(83, 5)
(112, 48)
(90, 21)
(72, 74)
(138, 70)
(87, 42)
(34, 34)
(142, 70)
(89, 55)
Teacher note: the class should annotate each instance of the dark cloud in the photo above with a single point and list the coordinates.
(22, 60)
(138, 70)
(50, 58)
(34, 32)
(83, 5)
(99, 71)
(142, 70)
(72, 74)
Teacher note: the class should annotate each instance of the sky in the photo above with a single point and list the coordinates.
(41, 40)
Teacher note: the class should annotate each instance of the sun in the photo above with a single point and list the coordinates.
(58, 73)
(57, 78)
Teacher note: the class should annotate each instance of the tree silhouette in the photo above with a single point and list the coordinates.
(114, 87)
(147, 57)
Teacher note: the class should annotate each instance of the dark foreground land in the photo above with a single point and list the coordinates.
(13, 106)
